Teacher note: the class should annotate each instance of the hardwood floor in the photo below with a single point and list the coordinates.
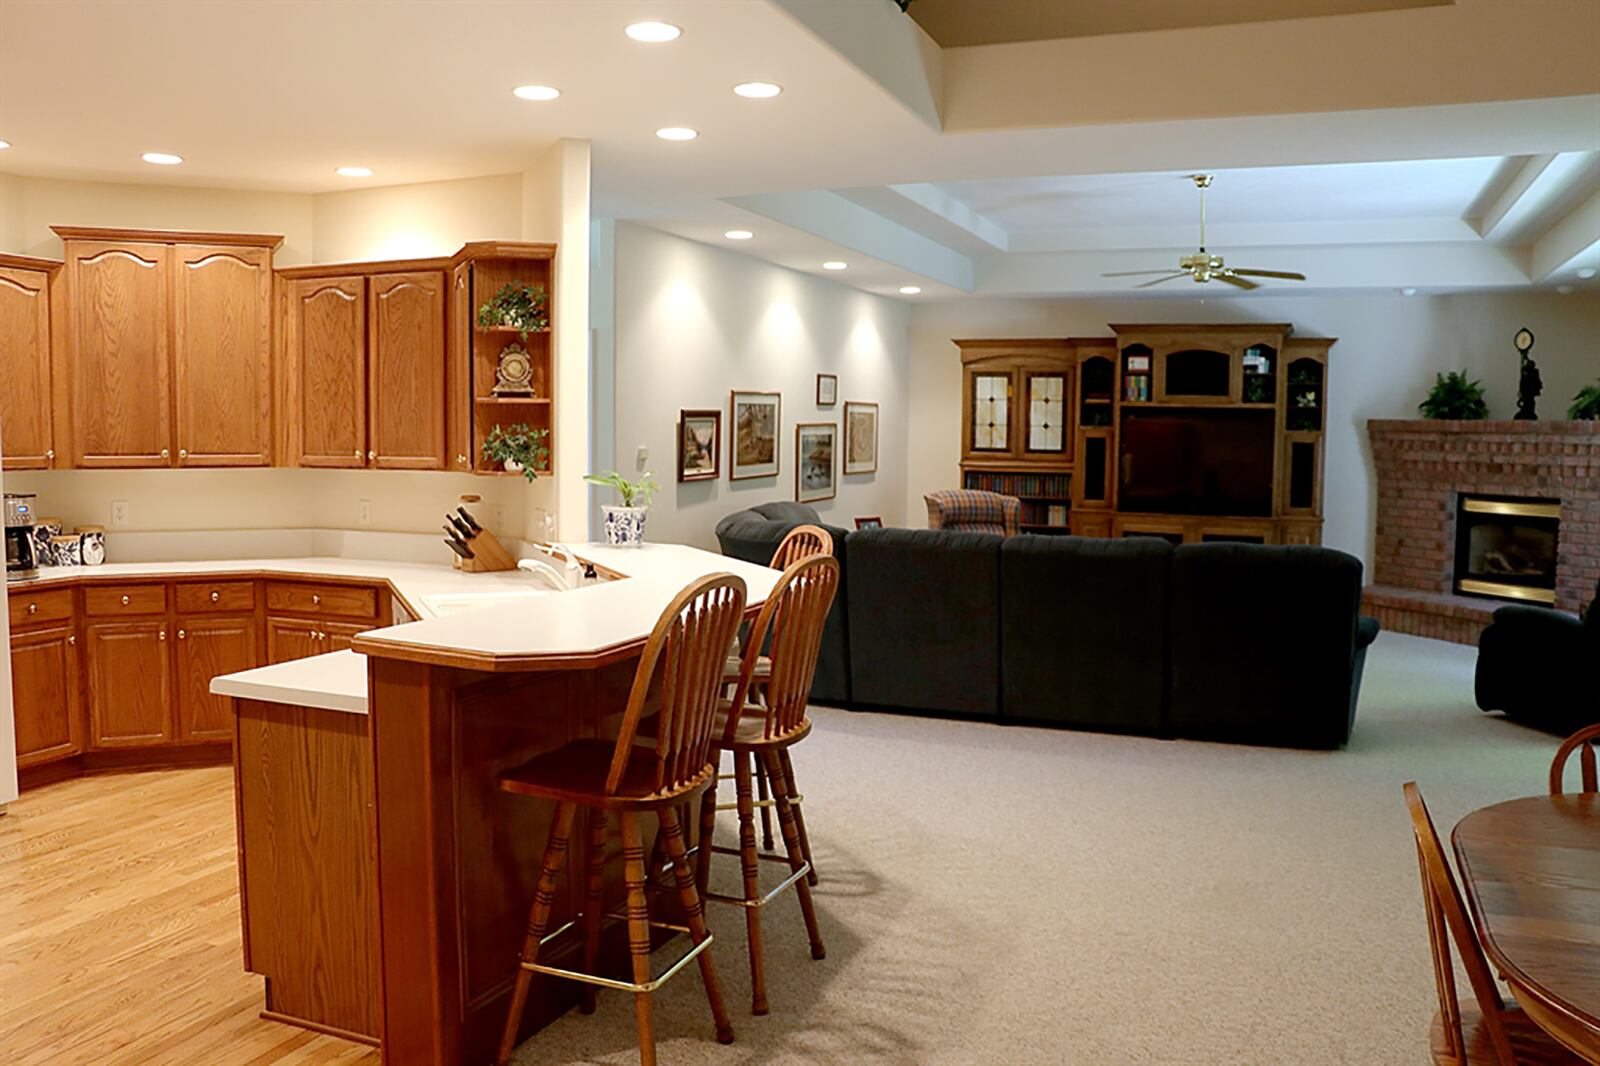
(119, 930)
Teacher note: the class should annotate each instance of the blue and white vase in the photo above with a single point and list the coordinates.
(625, 525)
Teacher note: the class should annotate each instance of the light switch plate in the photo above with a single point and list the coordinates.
(366, 512)
(119, 513)
(643, 457)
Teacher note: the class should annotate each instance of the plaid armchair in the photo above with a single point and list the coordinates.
(974, 511)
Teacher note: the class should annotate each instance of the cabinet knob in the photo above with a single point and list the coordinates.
(33, 608)
(163, 634)
(358, 453)
(126, 601)
(371, 455)
(51, 454)
(73, 639)
(165, 454)
(215, 596)
(461, 460)
(183, 453)
(182, 635)
(316, 598)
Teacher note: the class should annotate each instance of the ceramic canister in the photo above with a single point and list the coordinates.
(92, 545)
(66, 550)
(44, 531)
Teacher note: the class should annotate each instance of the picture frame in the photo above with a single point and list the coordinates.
(754, 444)
(816, 461)
(870, 521)
(699, 445)
(827, 390)
(860, 437)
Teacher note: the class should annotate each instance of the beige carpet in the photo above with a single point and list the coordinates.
(1008, 895)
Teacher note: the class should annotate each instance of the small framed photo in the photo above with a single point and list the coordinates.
(870, 521)
(753, 447)
(827, 390)
(814, 461)
(699, 445)
(860, 437)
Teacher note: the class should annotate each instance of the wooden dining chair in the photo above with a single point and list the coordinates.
(679, 673)
(790, 623)
(1493, 1034)
(1582, 742)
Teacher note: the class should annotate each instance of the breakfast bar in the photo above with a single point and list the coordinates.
(385, 878)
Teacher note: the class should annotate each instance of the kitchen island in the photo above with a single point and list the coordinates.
(374, 842)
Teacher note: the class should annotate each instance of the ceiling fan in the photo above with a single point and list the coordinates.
(1203, 266)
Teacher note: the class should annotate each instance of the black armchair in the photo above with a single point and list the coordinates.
(1541, 666)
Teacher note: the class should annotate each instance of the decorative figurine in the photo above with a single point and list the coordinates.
(1530, 384)
(514, 374)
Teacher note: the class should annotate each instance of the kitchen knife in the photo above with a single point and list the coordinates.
(463, 530)
(473, 522)
(459, 548)
(460, 541)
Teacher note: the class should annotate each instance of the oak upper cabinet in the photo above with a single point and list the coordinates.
(326, 340)
(406, 368)
(120, 353)
(222, 354)
(130, 683)
(25, 393)
(207, 648)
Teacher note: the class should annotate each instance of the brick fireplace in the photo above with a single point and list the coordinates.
(1425, 469)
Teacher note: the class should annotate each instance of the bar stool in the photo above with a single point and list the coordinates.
(793, 616)
(797, 544)
(682, 662)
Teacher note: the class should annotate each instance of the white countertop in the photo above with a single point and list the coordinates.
(336, 681)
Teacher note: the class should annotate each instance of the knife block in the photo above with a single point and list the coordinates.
(487, 555)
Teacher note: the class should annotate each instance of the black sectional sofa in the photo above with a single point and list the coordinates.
(1258, 645)
(1542, 666)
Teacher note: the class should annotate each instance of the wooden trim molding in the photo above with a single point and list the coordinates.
(505, 250)
(29, 262)
(383, 266)
(168, 236)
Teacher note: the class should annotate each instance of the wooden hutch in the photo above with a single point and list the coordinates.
(1189, 432)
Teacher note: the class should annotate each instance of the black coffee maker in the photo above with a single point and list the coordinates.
(21, 561)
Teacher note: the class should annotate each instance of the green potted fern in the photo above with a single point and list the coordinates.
(1455, 398)
(518, 306)
(1586, 405)
(518, 449)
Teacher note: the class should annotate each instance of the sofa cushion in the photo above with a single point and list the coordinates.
(924, 627)
(796, 514)
(1083, 631)
(1263, 643)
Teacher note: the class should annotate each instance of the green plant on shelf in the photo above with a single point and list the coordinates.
(520, 306)
(1586, 405)
(519, 448)
(1258, 388)
(1455, 398)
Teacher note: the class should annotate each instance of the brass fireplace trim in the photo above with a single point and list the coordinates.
(1516, 592)
(1516, 510)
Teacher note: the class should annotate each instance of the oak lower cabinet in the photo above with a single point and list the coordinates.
(130, 683)
(292, 638)
(209, 647)
(44, 687)
(25, 390)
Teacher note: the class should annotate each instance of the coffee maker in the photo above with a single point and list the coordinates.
(21, 561)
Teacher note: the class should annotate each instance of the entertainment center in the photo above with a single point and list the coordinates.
(1192, 433)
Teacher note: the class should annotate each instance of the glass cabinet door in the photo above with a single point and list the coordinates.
(991, 412)
(1047, 412)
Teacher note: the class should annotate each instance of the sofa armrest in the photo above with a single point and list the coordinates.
(1367, 630)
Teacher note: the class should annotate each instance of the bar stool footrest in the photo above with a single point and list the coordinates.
(609, 982)
(787, 882)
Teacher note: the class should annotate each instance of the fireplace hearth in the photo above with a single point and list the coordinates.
(1506, 547)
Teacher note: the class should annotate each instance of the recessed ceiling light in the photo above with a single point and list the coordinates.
(4, 145)
(1583, 272)
(834, 264)
(677, 133)
(654, 32)
(738, 235)
(536, 92)
(758, 90)
(354, 172)
(162, 159)
(910, 290)
(1408, 292)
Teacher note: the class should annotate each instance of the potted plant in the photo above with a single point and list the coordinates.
(516, 305)
(625, 524)
(519, 449)
(1455, 398)
(1586, 405)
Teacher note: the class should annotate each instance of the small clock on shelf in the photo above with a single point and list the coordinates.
(513, 375)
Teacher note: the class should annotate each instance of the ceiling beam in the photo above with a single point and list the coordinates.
(1234, 236)
(1531, 202)
(884, 45)
(1572, 242)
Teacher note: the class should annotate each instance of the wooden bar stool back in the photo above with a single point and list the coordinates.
(1582, 742)
(793, 617)
(681, 667)
(1492, 1035)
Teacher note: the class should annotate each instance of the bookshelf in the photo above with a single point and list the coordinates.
(1019, 413)
(486, 267)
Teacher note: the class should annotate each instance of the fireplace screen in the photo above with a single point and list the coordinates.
(1506, 548)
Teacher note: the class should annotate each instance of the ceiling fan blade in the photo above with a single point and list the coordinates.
(1289, 275)
(1136, 273)
(1158, 281)
(1236, 282)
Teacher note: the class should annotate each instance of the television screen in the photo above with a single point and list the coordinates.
(1196, 462)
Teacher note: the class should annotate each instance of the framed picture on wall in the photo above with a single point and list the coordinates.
(699, 445)
(827, 390)
(814, 461)
(753, 434)
(860, 437)
(870, 521)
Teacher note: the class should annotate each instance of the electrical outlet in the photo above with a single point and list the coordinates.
(497, 517)
(366, 512)
(119, 513)
(643, 457)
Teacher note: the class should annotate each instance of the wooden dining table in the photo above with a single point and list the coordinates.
(1531, 868)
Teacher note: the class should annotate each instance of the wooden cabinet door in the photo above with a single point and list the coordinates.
(327, 344)
(120, 360)
(222, 355)
(459, 408)
(208, 647)
(25, 427)
(44, 687)
(293, 638)
(406, 368)
(338, 635)
(130, 683)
